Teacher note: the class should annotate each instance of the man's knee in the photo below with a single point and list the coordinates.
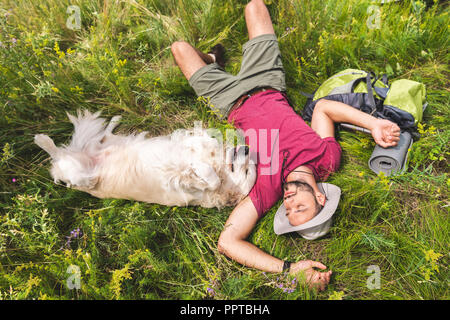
(178, 47)
(258, 19)
(254, 7)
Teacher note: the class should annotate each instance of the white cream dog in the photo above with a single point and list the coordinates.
(188, 167)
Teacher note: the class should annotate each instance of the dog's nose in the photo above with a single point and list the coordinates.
(246, 150)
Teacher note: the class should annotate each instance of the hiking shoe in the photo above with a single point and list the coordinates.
(219, 52)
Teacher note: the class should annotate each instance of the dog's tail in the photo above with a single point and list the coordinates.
(89, 129)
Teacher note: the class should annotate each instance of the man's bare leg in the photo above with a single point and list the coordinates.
(257, 18)
(189, 59)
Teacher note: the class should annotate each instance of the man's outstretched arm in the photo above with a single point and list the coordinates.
(232, 240)
(232, 243)
(327, 112)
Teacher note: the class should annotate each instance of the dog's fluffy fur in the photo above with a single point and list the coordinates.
(188, 167)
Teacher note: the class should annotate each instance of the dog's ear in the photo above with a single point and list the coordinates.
(46, 143)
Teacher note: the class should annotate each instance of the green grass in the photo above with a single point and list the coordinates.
(119, 62)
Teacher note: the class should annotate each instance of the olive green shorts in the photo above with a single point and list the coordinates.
(261, 67)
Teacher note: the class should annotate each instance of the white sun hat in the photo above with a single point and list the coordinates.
(317, 226)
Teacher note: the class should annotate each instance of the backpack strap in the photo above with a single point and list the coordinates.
(370, 96)
(384, 78)
(356, 82)
(370, 93)
(308, 95)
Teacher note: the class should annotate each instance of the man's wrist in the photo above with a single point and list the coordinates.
(372, 123)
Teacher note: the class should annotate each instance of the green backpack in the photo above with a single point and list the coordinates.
(402, 102)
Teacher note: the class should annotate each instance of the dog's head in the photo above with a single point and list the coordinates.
(75, 169)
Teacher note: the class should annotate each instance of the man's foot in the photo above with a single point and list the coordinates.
(219, 54)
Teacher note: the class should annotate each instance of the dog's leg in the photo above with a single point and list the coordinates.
(207, 175)
(46, 143)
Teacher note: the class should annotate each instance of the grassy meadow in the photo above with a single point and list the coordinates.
(119, 61)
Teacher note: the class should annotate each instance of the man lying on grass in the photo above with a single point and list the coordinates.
(255, 99)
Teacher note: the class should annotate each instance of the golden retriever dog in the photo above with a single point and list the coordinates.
(188, 167)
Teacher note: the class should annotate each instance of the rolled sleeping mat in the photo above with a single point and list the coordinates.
(391, 160)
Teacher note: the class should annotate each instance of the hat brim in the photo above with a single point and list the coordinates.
(317, 226)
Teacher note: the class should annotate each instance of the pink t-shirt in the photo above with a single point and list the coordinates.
(275, 133)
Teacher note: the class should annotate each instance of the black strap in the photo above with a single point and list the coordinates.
(375, 80)
(370, 93)
(355, 83)
(385, 79)
(286, 154)
(308, 95)
(370, 96)
(286, 266)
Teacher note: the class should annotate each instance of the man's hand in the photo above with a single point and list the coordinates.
(385, 133)
(313, 278)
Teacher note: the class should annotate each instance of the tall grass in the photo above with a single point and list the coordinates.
(119, 62)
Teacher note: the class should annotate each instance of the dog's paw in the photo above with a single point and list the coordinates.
(198, 176)
(116, 119)
(41, 139)
(206, 175)
(46, 143)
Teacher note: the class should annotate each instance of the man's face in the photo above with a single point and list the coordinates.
(300, 202)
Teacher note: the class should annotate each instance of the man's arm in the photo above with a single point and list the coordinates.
(232, 240)
(232, 243)
(327, 112)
